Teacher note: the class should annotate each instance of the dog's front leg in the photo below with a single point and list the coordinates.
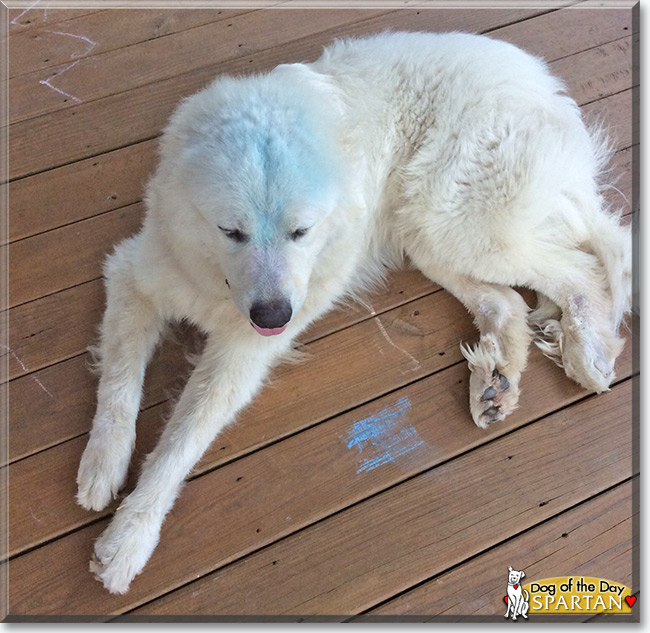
(129, 333)
(225, 380)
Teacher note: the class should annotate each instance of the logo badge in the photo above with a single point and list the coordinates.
(567, 594)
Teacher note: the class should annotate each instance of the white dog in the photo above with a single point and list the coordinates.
(517, 597)
(279, 194)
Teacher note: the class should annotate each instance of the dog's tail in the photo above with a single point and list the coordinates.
(611, 242)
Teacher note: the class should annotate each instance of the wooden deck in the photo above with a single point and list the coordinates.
(291, 512)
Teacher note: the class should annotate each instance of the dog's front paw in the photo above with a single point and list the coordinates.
(102, 472)
(123, 549)
(492, 396)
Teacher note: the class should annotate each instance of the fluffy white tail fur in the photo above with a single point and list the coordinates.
(612, 244)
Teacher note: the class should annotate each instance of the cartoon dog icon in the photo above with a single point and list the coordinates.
(517, 603)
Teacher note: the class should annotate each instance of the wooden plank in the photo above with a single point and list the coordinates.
(594, 539)
(250, 32)
(254, 428)
(59, 406)
(361, 556)
(599, 72)
(94, 33)
(54, 328)
(157, 59)
(620, 131)
(38, 270)
(349, 562)
(64, 393)
(55, 139)
(71, 255)
(49, 199)
(567, 36)
(34, 17)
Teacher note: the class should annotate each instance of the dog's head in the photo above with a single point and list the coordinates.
(515, 576)
(259, 164)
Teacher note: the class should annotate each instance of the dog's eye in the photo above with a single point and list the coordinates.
(298, 233)
(235, 235)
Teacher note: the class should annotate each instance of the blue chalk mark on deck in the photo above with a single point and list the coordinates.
(380, 438)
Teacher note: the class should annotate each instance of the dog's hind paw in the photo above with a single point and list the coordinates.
(491, 396)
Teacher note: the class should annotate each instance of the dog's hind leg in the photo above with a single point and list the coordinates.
(129, 333)
(226, 378)
(581, 335)
(497, 360)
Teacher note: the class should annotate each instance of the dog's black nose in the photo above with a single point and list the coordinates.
(271, 314)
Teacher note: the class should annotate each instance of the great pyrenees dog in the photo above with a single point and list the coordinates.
(279, 194)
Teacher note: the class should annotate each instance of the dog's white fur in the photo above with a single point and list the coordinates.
(457, 151)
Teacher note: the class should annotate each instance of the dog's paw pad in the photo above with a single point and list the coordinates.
(489, 393)
(492, 397)
(490, 416)
(502, 381)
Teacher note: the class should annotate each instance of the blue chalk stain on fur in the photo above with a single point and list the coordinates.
(270, 150)
(381, 438)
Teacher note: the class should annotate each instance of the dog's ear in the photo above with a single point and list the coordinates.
(509, 568)
(523, 574)
(318, 82)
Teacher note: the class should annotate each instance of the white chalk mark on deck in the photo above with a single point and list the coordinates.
(367, 306)
(382, 329)
(22, 366)
(46, 82)
(42, 386)
(29, 8)
(80, 37)
(20, 362)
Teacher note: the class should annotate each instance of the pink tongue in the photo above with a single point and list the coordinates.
(269, 331)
